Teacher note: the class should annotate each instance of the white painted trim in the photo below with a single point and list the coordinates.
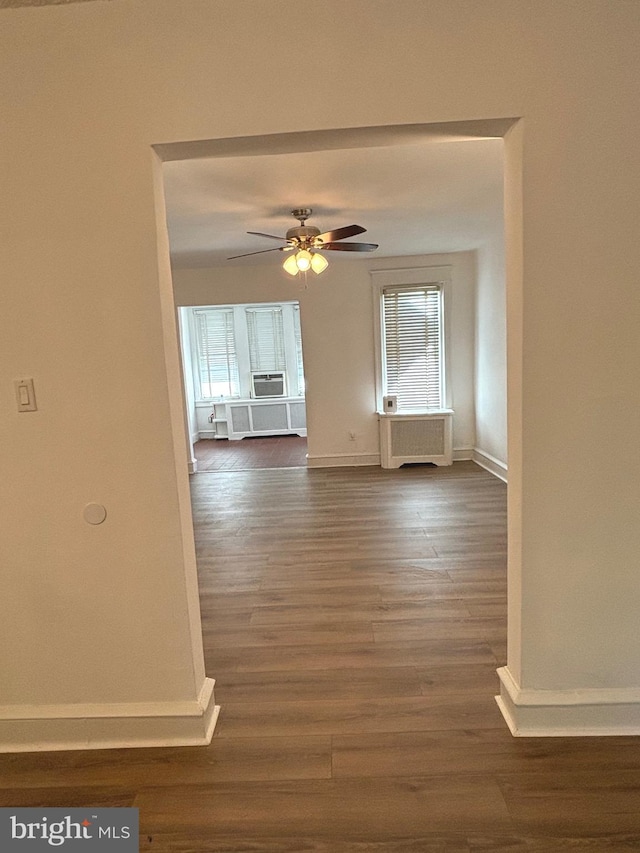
(568, 713)
(490, 463)
(28, 728)
(207, 433)
(193, 466)
(462, 454)
(342, 460)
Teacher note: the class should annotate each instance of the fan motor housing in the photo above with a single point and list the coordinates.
(304, 233)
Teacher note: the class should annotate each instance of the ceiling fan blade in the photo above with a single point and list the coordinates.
(341, 233)
(350, 247)
(270, 236)
(261, 252)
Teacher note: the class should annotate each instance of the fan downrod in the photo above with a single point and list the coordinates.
(301, 213)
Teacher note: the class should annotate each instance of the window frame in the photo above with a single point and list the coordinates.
(413, 277)
(194, 335)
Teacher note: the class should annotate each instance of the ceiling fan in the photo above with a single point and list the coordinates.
(307, 241)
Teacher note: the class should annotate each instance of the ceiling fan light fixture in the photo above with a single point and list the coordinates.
(305, 242)
(318, 263)
(303, 260)
(290, 265)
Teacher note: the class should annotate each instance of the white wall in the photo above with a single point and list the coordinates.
(491, 353)
(337, 321)
(108, 614)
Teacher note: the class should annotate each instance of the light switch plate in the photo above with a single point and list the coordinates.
(25, 395)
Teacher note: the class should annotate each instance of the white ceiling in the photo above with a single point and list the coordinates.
(427, 198)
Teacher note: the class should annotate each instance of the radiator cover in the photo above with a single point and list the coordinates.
(240, 418)
(406, 437)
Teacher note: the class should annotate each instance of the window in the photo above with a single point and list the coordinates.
(411, 338)
(266, 339)
(217, 362)
(231, 344)
(412, 345)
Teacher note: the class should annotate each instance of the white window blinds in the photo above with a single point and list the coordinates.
(265, 329)
(413, 346)
(217, 358)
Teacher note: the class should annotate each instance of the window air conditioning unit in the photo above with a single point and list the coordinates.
(267, 385)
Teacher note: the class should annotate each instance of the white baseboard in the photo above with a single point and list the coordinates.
(193, 462)
(462, 454)
(568, 713)
(490, 463)
(343, 460)
(206, 433)
(60, 727)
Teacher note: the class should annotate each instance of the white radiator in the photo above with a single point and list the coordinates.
(237, 419)
(406, 437)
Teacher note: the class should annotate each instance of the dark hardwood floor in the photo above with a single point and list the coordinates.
(272, 451)
(354, 620)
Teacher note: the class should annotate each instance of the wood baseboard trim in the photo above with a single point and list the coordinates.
(568, 713)
(343, 460)
(490, 463)
(117, 726)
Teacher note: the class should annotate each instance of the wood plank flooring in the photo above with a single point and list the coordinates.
(272, 451)
(354, 620)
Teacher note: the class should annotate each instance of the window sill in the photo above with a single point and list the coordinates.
(415, 413)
